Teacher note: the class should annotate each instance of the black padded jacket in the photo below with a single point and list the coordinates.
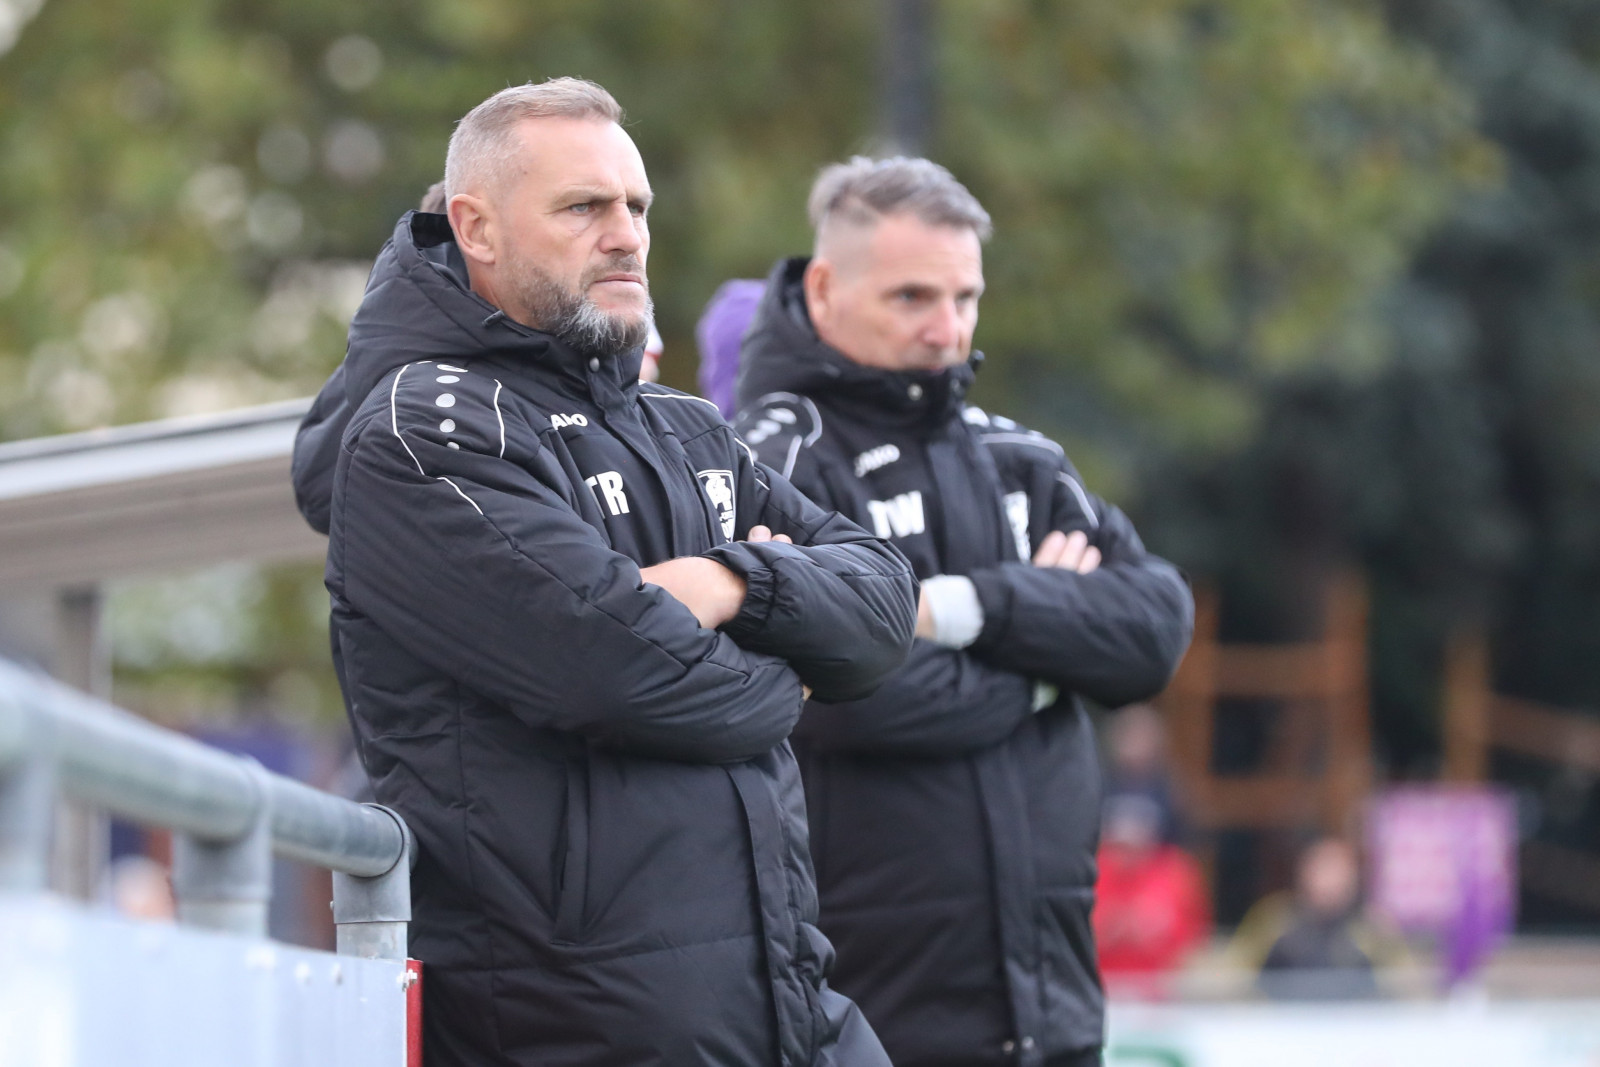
(955, 811)
(613, 859)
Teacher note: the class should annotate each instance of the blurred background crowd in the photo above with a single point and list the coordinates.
(1311, 287)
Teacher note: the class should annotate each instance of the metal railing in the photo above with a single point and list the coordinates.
(228, 815)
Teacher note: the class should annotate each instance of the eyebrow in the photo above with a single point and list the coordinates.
(583, 194)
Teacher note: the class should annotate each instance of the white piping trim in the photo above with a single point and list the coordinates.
(703, 400)
(755, 462)
(805, 401)
(502, 418)
(394, 427)
(1083, 497)
(394, 419)
(681, 396)
(1022, 439)
(464, 496)
(794, 454)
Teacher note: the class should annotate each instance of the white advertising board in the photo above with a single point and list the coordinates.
(1452, 1034)
(86, 989)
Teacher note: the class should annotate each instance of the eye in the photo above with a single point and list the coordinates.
(636, 210)
(585, 208)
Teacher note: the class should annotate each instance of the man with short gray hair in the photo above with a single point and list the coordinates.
(575, 621)
(955, 811)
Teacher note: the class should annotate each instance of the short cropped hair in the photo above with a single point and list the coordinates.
(484, 144)
(864, 190)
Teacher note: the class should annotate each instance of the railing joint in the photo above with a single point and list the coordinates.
(227, 884)
(371, 915)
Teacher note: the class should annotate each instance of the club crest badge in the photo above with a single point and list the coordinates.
(719, 490)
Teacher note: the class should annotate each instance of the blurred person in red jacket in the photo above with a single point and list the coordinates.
(1151, 906)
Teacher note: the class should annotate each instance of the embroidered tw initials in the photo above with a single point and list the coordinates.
(899, 516)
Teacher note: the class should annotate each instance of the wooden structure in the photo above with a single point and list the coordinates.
(1317, 769)
(1478, 721)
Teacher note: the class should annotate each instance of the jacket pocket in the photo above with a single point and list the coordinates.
(573, 880)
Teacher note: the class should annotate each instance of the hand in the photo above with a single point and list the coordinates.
(1071, 552)
(713, 592)
(924, 617)
(762, 533)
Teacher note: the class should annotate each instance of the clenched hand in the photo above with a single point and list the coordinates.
(1070, 552)
(713, 592)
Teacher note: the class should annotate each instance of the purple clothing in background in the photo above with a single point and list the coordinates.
(719, 332)
(1444, 862)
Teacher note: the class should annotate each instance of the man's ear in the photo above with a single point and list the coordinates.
(476, 227)
(818, 282)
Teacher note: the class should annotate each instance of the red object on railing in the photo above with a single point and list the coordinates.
(413, 1013)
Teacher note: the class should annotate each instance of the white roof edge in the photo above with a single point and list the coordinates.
(143, 452)
(112, 437)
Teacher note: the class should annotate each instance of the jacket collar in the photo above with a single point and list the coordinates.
(782, 353)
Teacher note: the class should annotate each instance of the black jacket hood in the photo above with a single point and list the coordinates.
(417, 306)
(783, 354)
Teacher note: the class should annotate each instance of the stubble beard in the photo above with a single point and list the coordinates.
(571, 317)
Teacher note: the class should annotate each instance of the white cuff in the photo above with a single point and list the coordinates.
(953, 603)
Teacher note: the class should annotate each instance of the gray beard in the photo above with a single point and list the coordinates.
(572, 318)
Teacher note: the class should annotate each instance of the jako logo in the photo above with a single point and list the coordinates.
(873, 458)
(607, 486)
(559, 421)
(899, 516)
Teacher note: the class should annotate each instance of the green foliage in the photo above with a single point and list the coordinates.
(1196, 200)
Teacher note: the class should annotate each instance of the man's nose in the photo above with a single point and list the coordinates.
(623, 230)
(943, 328)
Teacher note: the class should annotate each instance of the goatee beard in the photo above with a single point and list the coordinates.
(571, 317)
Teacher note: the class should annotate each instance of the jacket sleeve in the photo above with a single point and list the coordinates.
(316, 451)
(838, 604)
(1114, 635)
(476, 561)
(942, 702)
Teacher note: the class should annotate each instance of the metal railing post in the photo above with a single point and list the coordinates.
(27, 803)
(227, 884)
(370, 915)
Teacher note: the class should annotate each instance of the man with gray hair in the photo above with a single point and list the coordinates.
(954, 811)
(575, 621)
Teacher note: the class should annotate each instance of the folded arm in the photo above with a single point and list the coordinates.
(479, 566)
(1113, 632)
(835, 602)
